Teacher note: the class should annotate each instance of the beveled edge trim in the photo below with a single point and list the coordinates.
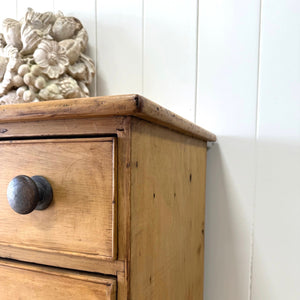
(49, 270)
(128, 105)
(76, 261)
(151, 111)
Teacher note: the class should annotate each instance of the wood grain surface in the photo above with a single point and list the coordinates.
(167, 214)
(28, 282)
(133, 105)
(128, 204)
(67, 127)
(81, 220)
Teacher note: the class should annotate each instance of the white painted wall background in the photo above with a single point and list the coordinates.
(232, 66)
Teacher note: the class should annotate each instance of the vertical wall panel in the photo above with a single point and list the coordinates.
(228, 38)
(170, 41)
(276, 269)
(85, 12)
(119, 46)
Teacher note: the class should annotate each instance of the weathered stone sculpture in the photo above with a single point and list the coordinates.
(41, 58)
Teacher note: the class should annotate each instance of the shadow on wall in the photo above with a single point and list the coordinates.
(276, 258)
(243, 176)
(229, 199)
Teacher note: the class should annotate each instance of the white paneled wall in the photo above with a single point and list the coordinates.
(170, 54)
(276, 263)
(232, 66)
(119, 46)
(227, 91)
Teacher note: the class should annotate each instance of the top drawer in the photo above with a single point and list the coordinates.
(81, 219)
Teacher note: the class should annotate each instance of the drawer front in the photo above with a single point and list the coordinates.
(81, 219)
(18, 281)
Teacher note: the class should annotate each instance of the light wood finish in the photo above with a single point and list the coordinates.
(133, 105)
(64, 260)
(67, 127)
(115, 125)
(167, 214)
(129, 180)
(20, 281)
(81, 219)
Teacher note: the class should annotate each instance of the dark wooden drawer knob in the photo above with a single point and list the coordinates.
(25, 194)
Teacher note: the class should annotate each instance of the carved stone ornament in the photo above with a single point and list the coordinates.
(42, 58)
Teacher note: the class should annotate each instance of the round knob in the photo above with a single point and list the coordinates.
(25, 194)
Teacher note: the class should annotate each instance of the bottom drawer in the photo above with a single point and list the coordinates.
(24, 281)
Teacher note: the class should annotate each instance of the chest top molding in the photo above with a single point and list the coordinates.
(122, 105)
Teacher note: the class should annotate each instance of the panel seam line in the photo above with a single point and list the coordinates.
(252, 234)
(143, 46)
(96, 87)
(196, 62)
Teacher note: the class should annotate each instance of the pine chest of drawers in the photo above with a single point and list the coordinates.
(127, 216)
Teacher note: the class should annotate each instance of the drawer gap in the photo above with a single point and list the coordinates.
(69, 136)
(53, 268)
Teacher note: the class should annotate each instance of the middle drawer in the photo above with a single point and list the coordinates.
(81, 219)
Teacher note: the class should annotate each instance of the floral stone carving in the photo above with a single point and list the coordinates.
(42, 58)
